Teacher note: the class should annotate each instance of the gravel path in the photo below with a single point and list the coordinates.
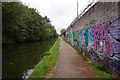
(71, 64)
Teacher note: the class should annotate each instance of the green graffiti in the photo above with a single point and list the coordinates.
(76, 36)
(76, 40)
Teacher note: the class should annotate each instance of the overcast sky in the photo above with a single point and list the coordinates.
(60, 12)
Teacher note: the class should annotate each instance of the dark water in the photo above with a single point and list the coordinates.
(20, 59)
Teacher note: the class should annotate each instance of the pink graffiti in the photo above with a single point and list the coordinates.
(105, 36)
(101, 33)
(95, 35)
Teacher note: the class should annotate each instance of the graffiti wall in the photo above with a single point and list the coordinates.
(101, 43)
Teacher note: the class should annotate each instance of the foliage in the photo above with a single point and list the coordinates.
(62, 31)
(49, 61)
(21, 23)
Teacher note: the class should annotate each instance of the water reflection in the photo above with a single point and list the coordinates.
(27, 74)
(21, 58)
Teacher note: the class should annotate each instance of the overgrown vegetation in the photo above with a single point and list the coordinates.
(49, 61)
(21, 23)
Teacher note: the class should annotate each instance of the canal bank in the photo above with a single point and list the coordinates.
(46, 64)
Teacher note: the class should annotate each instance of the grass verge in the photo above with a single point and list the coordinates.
(46, 64)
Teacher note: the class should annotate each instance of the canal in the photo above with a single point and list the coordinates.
(18, 60)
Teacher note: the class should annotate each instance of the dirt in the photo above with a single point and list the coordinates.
(70, 64)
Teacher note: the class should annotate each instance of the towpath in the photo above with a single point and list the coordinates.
(70, 64)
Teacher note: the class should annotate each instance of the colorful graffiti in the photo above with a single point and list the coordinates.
(101, 33)
(83, 37)
(114, 38)
(104, 39)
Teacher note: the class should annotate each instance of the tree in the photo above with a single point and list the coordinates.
(21, 23)
(62, 31)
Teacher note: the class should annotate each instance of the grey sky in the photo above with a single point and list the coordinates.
(60, 12)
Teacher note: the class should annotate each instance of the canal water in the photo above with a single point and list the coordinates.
(18, 60)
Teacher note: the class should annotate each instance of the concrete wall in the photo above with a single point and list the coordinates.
(97, 34)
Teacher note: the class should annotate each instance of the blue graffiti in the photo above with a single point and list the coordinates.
(71, 38)
(86, 37)
(91, 38)
(80, 37)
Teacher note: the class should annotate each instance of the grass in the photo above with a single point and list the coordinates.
(46, 64)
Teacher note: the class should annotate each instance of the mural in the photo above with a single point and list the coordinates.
(103, 42)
